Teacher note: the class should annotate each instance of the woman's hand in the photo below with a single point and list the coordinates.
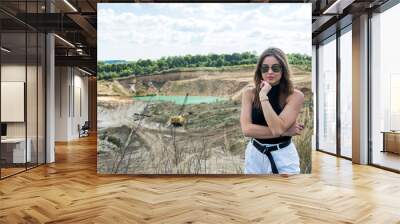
(265, 88)
(294, 130)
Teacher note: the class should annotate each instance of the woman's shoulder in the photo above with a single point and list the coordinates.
(248, 94)
(296, 95)
(249, 91)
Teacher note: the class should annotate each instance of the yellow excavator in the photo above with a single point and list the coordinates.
(179, 120)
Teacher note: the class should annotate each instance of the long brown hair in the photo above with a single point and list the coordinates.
(285, 84)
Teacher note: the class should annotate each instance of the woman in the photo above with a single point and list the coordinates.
(268, 115)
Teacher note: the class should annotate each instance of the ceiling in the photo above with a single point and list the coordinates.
(329, 16)
(76, 22)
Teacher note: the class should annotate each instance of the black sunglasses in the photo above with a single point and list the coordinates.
(274, 67)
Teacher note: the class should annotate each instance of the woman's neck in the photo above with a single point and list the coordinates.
(275, 84)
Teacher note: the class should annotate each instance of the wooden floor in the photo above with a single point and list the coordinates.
(70, 191)
(10, 171)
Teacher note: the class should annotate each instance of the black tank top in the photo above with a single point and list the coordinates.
(258, 116)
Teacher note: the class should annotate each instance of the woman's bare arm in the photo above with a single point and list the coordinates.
(278, 124)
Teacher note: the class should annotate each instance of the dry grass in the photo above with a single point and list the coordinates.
(303, 141)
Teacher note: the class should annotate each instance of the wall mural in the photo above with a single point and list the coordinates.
(171, 80)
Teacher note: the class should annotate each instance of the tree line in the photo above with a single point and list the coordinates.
(147, 67)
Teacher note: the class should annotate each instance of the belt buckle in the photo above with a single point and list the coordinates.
(265, 149)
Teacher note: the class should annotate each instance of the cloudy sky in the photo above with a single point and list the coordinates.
(132, 31)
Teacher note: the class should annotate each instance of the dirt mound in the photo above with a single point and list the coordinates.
(203, 87)
(111, 88)
(226, 83)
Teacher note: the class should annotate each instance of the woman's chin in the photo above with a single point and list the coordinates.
(272, 82)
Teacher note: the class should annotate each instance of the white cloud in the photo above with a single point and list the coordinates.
(156, 30)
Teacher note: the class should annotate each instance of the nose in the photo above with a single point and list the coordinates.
(270, 71)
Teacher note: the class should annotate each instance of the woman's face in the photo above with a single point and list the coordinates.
(271, 70)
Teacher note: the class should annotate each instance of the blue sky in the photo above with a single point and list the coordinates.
(132, 31)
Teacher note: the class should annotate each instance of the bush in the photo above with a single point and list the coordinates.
(115, 141)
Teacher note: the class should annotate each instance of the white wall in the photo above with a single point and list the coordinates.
(12, 101)
(61, 103)
(80, 110)
(33, 126)
(314, 90)
(71, 94)
(12, 73)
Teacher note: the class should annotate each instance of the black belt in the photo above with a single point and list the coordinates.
(267, 151)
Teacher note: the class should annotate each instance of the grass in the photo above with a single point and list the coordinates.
(303, 142)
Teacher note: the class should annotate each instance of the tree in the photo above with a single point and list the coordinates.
(219, 62)
(147, 66)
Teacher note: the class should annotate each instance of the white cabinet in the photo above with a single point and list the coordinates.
(18, 149)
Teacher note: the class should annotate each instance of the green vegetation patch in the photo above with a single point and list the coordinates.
(210, 62)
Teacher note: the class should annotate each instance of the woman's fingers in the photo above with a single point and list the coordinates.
(299, 125)
(299, 128)
(262, 84)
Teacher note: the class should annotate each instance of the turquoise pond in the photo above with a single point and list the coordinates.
(180, 99)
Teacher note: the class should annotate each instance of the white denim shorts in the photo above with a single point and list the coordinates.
(286, 159)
